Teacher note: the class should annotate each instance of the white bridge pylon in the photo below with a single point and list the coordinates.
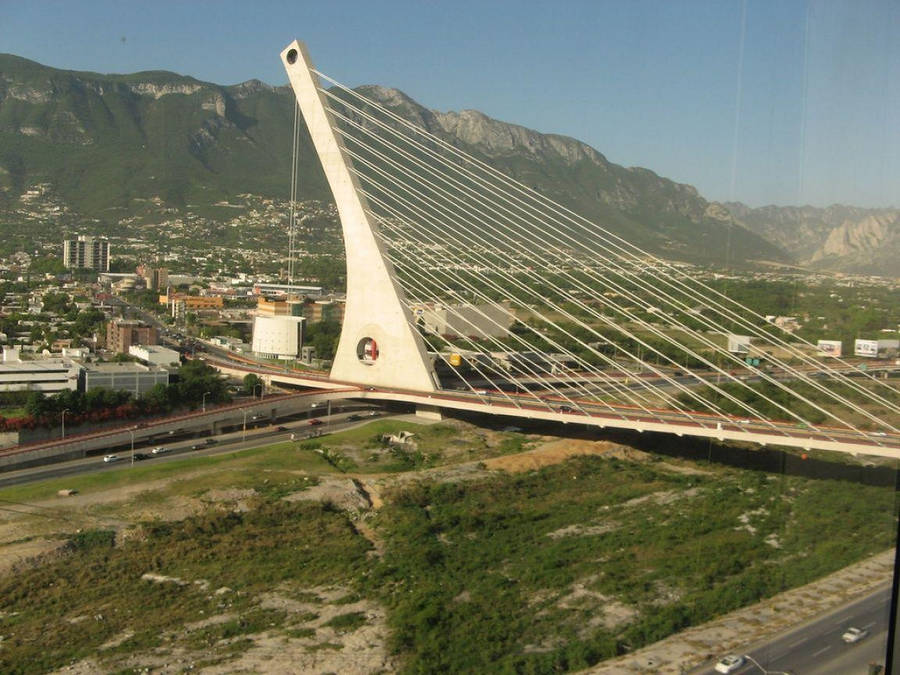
(378, 344)
(469, 289)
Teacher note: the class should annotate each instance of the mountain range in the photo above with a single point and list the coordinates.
(105, 141)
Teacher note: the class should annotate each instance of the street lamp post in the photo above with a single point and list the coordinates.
(203, 405)
(244, 436)
(764, 670)
(131, 431)
(65, 410)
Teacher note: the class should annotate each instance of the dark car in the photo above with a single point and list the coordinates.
(141, 456)
(354, 418)
(281, 428)
(210, 441)
(314, 421)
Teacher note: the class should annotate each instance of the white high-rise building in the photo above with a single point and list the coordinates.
(86, 252)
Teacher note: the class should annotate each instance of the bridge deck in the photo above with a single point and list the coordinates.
(610, 415)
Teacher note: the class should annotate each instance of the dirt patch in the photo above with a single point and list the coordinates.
(15, 555)
(117, 640)
(373, 494)
(548, 454)
(230, 495)
(325, 648)
(577, 530)
(345, 493)
(605, 611)
(661, 498)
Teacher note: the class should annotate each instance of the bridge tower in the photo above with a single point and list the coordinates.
(379, 345)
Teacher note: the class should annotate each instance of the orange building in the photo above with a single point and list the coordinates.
(290, 307)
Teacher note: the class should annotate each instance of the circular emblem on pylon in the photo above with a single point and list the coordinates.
(367, 350)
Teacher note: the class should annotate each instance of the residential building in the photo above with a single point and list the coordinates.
(155, 278)
(122, 333)
(86, 252)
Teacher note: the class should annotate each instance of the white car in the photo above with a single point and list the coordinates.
(729, 664)
(111, 458)
(854, 635)
(158, 451)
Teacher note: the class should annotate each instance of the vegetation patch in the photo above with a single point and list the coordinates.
(492, 542)
(65, 610)
(346, 623)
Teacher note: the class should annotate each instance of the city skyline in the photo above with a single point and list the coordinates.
(761, 102)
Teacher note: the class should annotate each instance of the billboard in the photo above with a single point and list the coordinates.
(888, 345)
(739, 344)
(865, 348)
(829, 347)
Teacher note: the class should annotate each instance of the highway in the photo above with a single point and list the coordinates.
(816, 648)
(230, 442)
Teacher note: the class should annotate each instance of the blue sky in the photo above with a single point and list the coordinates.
(763, 101)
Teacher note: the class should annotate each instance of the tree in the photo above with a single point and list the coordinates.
(324, 337)
(251, 382)
(196, 378)
(37, 405)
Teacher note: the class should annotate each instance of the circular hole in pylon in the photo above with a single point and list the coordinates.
(367, 350)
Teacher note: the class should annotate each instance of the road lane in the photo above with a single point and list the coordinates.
(817, 647)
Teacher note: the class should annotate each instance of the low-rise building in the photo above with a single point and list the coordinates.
(287, 307)
(179, 304)
(323, 310)
(155, 355)
(231, 343)
(49, 375)
(271, 290)
(465, 320)
(134, 377)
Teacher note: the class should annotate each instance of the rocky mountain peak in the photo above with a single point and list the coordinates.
(249, 87)
(158, 90)
(858, 236)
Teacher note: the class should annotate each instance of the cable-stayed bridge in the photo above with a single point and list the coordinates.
(467, 289)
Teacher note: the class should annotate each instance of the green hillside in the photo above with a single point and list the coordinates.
(104, 141)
